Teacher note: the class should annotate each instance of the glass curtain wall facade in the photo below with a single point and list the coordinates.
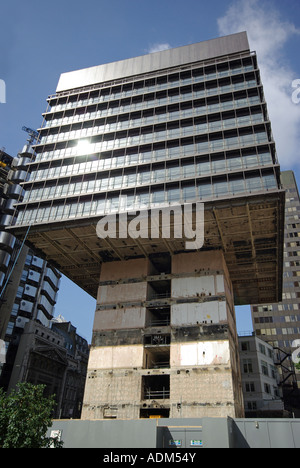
(28, 284)
(35, 297)
(198, 134)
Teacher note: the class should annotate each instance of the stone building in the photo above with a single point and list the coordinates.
(46, 356)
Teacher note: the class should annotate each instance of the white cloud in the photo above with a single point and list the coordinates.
(158, 47)
(268, 34)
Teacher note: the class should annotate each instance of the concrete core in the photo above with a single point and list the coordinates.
(164, 340)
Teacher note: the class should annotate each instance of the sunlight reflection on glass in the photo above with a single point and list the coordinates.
(83, 147)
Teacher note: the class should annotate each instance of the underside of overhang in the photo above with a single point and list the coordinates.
(249, 231)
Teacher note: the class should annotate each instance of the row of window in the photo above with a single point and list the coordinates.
(250, 387)
(150, 86)
(223, 103)
(119, 203)
(136, 119)
(156, 101)
(277, 331)
(280, 319)
(293, 234)
(288, 306)
(174, 129)
(246, 346)
(266, 369)
(44, 154)
(290, 295)
(222, 144)
(171, 119)
(147, 176)
(284, 343)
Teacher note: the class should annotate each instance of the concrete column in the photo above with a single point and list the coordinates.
(164, 340)
(205, 379)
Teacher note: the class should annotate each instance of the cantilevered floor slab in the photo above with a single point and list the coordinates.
(248, 230)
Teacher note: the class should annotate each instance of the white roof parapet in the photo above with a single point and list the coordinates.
(169, 58)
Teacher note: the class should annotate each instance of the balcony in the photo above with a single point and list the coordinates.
(14, 191)
(7, 241)
(4, 260)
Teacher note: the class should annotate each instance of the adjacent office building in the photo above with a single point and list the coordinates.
(279, 323)
(34, 347)
(6, 240)
(32, 297)
(260, 380)
(171, 130)
(56, 357)
(28, 283)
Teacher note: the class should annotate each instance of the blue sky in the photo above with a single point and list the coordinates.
(40, 40)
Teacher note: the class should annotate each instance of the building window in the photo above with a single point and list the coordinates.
(10, 328)
(267, 388)
(264, 368)
(273, 372)
(262, 349)
(250, 387)
(247, 366)
(245, 346)
(251, 405)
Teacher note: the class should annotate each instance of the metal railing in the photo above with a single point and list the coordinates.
(162, 394)
(159, 322)
(160, 365)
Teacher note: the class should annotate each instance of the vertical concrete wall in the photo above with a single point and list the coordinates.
(126, 317)
(198, 313)
(116, 293)
(202, 376)
(113, 386)
(200, 353)
(134, 268)
(204, 381)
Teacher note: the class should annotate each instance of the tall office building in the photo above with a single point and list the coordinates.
(56, 357)
(262, 394)
(171, 130)
(6, 240)
(279, 323)
(32, 297)
(28, 284)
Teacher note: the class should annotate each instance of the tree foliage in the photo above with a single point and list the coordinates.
(25, 416)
